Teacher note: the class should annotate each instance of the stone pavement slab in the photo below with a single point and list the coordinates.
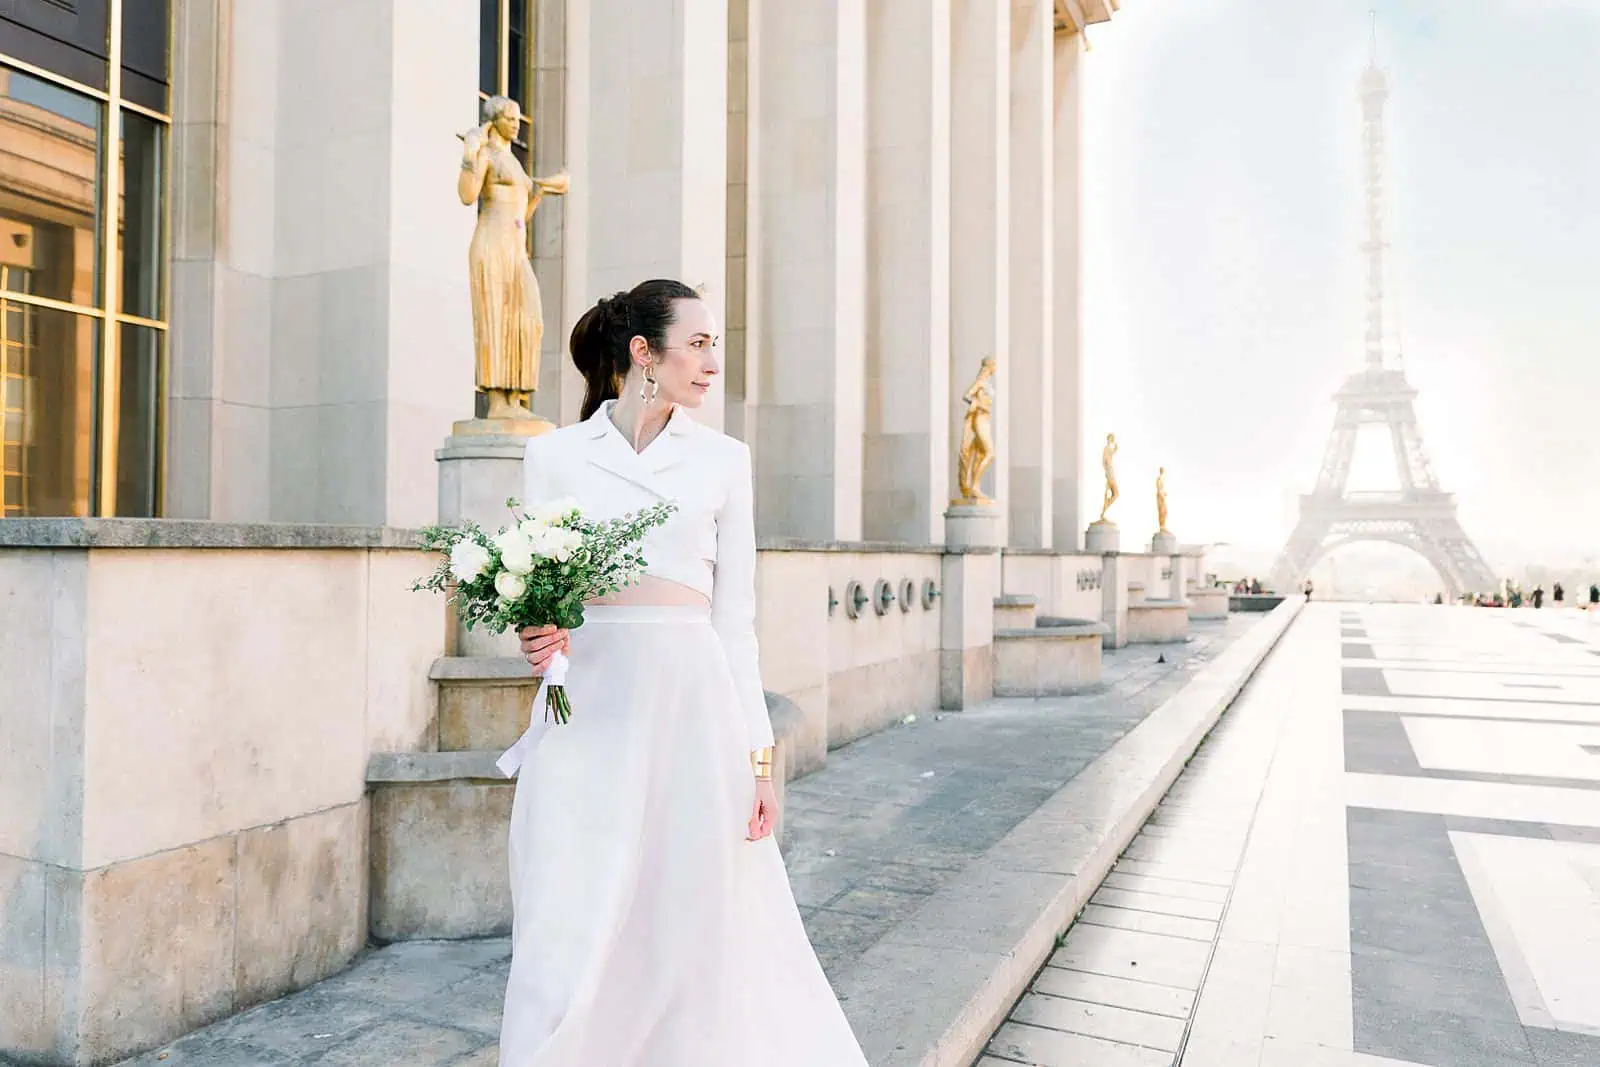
(1396, 884)
(925, 860)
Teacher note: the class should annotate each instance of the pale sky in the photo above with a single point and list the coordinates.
(1223, 211)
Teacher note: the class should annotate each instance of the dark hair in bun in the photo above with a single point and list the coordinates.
(600, 340)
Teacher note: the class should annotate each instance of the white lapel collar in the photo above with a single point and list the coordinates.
(610, 451)
(670, 446)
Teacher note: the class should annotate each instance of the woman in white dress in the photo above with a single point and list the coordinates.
(654, 923)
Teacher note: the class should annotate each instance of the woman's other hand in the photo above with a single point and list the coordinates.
(764, 815)
(541, 643)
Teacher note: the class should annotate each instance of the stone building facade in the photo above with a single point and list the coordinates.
(230, 739)
(875, 194)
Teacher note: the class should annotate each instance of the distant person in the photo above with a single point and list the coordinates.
(1538, 596)
(1255, 587)
(1558, 594)
(1308, 590)
(1594, 595)
(1438, 598)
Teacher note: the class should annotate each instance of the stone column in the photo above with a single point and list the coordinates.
(1033, 396)
(647, 122)
(805, 265)
(1067, 304)
(907, 447)
(1115, 573)
(970, 582)
(740, 387)
(371, 327)
(560, 392)
(980, 236)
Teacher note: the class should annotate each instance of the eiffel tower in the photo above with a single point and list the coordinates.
(1420, 515)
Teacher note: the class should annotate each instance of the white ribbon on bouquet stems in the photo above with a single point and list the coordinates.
(555, 673)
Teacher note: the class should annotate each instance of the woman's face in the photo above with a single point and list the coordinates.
(688, 364)
(509, 122)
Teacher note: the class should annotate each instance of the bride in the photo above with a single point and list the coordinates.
(654, 925)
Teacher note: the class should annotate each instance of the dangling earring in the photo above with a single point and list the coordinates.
(648, 391)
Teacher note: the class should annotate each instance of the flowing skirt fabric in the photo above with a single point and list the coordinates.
(648, 932)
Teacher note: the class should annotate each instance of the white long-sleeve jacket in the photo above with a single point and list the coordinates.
(709, 543)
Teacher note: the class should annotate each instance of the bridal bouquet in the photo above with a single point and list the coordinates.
(538, 571)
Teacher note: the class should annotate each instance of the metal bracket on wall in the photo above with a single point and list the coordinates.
(855, 598)
(930, 593)
(908, 594)
(833, 602)
(882, 596)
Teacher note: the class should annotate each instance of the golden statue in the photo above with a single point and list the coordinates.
(1107, 454)
(507, 316)
(1161, 500)
(977, 436)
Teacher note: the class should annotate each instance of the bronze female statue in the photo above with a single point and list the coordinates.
(1161, 500)
(1107, 454)
(507, 317)
(977, 436)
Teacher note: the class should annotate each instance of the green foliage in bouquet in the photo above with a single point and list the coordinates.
(539, 570)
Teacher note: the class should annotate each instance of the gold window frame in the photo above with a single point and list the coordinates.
(104, 427)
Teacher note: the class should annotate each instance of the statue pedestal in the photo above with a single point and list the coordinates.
(972, 524)
(519, 428)
(1102, 537)
(1164, 543)
(480, 468)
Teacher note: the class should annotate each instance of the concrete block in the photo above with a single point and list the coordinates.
(484, 715)
(141, 951)
(438, 859)
(1015, 611)
(22, 958)
(1158, 622)
(966, 677)
(1047, 661)
(865, 699)
(1208, 603)
(302, 902)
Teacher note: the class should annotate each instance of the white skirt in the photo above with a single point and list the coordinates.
(648, 932)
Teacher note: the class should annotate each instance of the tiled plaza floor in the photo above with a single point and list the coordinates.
(870, 838)
(1388, 853)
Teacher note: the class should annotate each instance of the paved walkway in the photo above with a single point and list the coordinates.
(888, 822)
(1388, 853)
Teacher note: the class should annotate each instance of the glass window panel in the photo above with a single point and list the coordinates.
(143, 158)
(147, 92)
(517, 54)
(144, 38)
(50, 141)
(68, 39)
(49, 440)
(488, 46)
(138, 402)
(82, 24)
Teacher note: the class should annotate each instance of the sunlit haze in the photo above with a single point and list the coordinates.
(1224, 213)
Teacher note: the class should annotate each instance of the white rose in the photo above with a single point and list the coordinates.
(468, 559)
(566, 542)
(511, 586)
(530, 528)
(510, 541)
(541, 543)
(517, 561)
(554, 510)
